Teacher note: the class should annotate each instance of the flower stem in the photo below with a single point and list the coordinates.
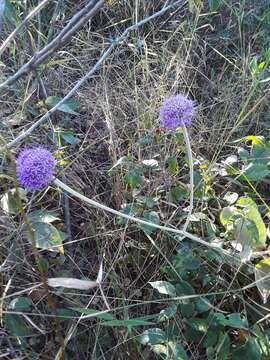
(191, 177)
(98, 205)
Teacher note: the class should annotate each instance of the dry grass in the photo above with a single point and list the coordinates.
(118, 107)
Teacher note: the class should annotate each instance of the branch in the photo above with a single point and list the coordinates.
(88, 76)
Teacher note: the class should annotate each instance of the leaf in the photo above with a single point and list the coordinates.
(68, 106)
(9, 201)
(152, 337)
(171, 350)
(249, 351)
(235, 321)
(252, 213)
(263, 286)
(214, 5)
(16, 325)
(124, 160)
(195, 329)
(202, 305)
(126, 323)
(227, 214)
(177, 351)
(44, 216)
(69, 137)
(48, 237)
(264, 265)
(173, 165)
(256, 171)
(20, 304)
(223, 347)
(164, 287)
(152, 163)
(95, 313)
(167, 313)
(231, 197)
(184, 288)
(71, 283)
(255, 139)
(133, 178)
(153, 217)
(178, 193)
(129, 209)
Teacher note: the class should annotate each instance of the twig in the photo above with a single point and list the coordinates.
(98, 205)
(76, 22)
(88, 76)
(22, 24)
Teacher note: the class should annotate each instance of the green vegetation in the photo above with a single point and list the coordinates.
(77, 282)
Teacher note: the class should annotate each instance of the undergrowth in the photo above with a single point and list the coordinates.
(159, 295)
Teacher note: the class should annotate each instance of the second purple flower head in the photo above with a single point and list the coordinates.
(177, 111)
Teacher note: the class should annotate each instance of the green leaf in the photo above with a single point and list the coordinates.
(98, 314)
(170, 351)
(249, 351)
(126, 323)
(184, 261)
(152, 337)
(129, 209)
(178, 193)
(264, 265)
(153, 217)
(202, 305)
(164, 287)
(223, 347)
(214, 5)
(69, 137)
(44, 216)
(235, 321)
(167, 313)
(184, 288)
(20, 304)
(17, 326)
(227, 214)
(173, 165)
(195, 329)
(251, 212)
(133, 178)
(68, 106)
(48, 237)
(256, 171)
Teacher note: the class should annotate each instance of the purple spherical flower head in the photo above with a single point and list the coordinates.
(177, 111)
(35, 168)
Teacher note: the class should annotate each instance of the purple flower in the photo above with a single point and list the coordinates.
(177, 111)
(35, 168)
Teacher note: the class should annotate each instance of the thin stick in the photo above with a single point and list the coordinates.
(88, 76)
